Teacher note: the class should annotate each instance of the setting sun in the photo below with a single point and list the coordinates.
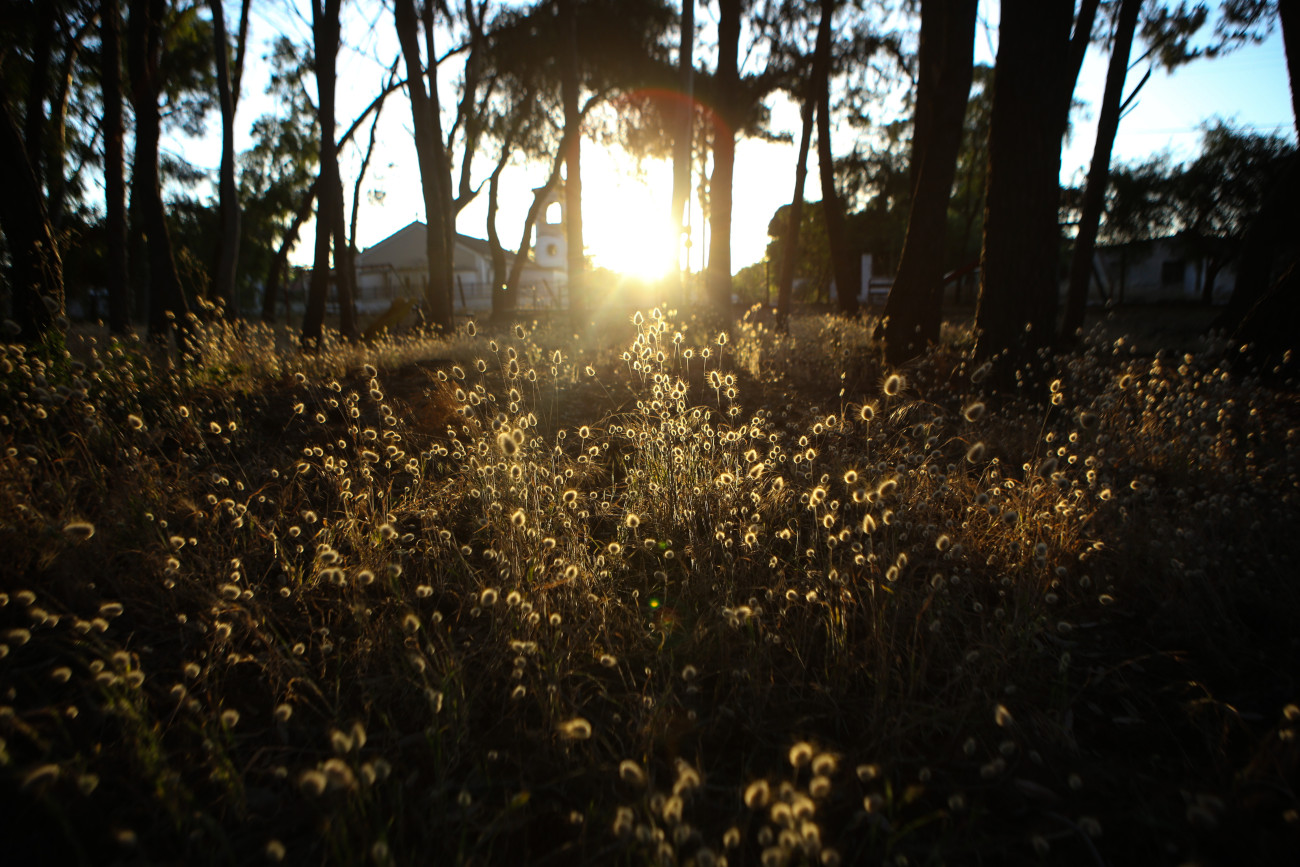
(637, 247)
(625, 216)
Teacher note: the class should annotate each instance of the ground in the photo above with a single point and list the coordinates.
(649, 594)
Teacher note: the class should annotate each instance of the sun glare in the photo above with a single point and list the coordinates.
(625, 220)
(637, 248)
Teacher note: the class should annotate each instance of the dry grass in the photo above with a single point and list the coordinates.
(518, 598)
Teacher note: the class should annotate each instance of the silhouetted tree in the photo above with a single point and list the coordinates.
(806, 87)
(230, 73)
(168, 307)
(620, 51)
(570, 95)
(330, 233)
(1167, 30)
(683, 135)
(1037, 65)
(726, 96)
(435, 169)
(1112, 105)
(913, 311)
(119, 306)
(35, 269)
(1261, 309)
(842, 260)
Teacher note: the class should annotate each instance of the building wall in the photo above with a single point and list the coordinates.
(396, 267)
(1158, 271)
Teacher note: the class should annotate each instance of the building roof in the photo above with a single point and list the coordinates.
(405, 248)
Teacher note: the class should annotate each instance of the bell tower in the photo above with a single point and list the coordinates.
(550, 247)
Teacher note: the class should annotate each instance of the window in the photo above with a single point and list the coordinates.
(1172, 271)
(554, 214)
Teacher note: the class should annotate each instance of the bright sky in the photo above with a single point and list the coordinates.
(625, 207)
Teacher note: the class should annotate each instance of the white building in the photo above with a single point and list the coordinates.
(1160, 270)
(398, 266)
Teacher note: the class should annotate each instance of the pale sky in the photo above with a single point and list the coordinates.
(625, 208)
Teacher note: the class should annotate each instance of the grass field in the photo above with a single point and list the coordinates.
(655, 595)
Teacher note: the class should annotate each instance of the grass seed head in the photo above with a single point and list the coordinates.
(576, 729)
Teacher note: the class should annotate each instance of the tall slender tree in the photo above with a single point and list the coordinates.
(330, 234)
(727, 102)
(534, 212)
(36, 271)
(790, 232)
(1261, 309)
(794, 216)
(110, 23)
(1094, 196)
(287, 158)
(168, 308)
(45, 22)
(621, 51)
(505, 296)
(40, 75)
(570, 94)
(1037, 65)
(833, 211)
(683, 144)
(276, 273)
(1289, 14)
(435, 168)
(79, 21)
(913, 310)
(228, 86)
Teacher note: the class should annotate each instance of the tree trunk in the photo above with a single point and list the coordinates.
(1268, 329)
(1256, 314)
(137, 247)
(794, 219)
(325, 32)
(435, 172)
(35, 271)
(525, 241)
(503, 306)
(279, 265)
(1094, 196)
(227, 254)
(1123, 273)
(313, 323)
(683, 150)
(976, 203)
(818, 79)
(1272, 226)
(356, 188)
(727, 83)
(504, 302)
(446, 220)
(913, 311)
(534, 210)
(569, 87)
(168, 308)
(847, 274)
(119, 305)
(275, 276)
(345, 272)
(1212, 269)
(470, 112)
(57, 146)
(1288, 12)
(37, 87)
(1033, 83)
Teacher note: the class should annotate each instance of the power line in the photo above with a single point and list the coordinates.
(1253, 127)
